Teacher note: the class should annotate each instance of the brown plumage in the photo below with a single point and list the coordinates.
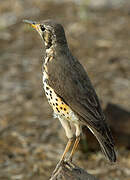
(70, 84)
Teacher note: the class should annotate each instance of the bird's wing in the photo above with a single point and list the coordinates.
(70, 81)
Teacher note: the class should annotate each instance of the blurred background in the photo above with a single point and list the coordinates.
(98, 33)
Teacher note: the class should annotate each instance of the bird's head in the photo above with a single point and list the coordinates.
(51, 32)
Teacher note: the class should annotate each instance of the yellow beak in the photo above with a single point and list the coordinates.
(32, 23)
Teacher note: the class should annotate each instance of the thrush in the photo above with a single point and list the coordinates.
(70, 92)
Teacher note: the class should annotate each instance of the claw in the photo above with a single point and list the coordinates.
(57, 167)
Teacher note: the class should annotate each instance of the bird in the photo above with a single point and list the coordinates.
(70, 92)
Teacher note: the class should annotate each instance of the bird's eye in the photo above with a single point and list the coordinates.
(42, 28)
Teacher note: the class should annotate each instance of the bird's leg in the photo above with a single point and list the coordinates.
(78, 133)
(66, 149)
(74, 147)
(63, 156)
(69, 133)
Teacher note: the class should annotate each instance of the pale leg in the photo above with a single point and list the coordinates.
(78, 132)
(69, 134)
(66, 125)
(74, 147)
(66, 149)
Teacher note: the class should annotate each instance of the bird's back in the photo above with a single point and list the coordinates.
(71, 82)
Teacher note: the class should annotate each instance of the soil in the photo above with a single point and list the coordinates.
(31, 140)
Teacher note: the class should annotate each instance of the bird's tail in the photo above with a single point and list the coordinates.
(106, 142)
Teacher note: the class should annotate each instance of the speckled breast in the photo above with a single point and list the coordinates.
(60, 108)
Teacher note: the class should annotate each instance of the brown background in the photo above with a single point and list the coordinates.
(31, 141)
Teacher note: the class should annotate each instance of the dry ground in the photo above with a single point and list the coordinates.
(31, 141)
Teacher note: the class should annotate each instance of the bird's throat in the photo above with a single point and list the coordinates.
(49, 54)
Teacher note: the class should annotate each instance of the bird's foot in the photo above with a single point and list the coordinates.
(68, 160)
(57, 167)
(69, 164)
